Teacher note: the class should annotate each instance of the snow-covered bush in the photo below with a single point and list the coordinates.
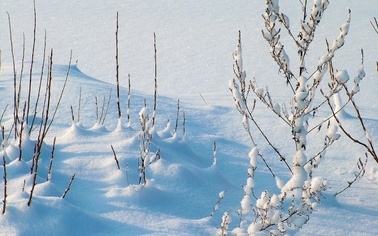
(291, 206)
(145, 139)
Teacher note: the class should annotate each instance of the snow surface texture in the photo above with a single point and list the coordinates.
(195, 43)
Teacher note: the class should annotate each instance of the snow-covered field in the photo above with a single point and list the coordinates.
(195, 42)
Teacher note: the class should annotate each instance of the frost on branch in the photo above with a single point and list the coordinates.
(361, 74)
(272, 35)
(337, 43)
(238, 87)
(226, 221)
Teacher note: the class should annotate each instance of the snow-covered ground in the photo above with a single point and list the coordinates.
(195, 42)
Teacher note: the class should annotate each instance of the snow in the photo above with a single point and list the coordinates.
(195, 43)
(342, 76)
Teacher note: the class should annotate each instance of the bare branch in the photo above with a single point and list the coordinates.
(375, 25)
(115, 157)
(361, 166)
(69, 186)
(155, 82)
(32, 62)
(117, 72)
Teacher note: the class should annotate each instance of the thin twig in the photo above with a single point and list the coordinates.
(69, 186)
(46, 105)
(128, 100)
(78, 110)
(304, 11)
(5, 171)
(369, 148)
(15, 111)
(102, 109)
(203, 99)
(155, 82)
(35, 162)
(282, 158)
(61, 93)
(40, 84)
(2, 115)
(107, 107)
(32, 62)
(127, 174)
(117, 72)
(183, 123)
(215, 153)
(21, 74)
(177, 115)
(115, 157)
(96, 103)
(72, 115)
(51, 161)
(361, 166)
(375, 27)
(21, 131)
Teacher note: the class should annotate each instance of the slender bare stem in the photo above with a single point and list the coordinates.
(15, 111)
(203, 99)
(35, 169)
(61, 93)
(155, 81)
(304, 7)
(127, 174)
(117, 72)
(177, 115)
(32, 62)
(2, 115)
(215, 152)
(361, 166)
(128, 101)
(72, 115)
(115, 157)
(40, 84)
(21, 74)
(375, 26)
(183, 123)
(21, 131)
(51, 161)
(107, 107)
(47, 102)
(69, 186)
(96, 103)
(78, 110)
(5, 172)
(102, 110)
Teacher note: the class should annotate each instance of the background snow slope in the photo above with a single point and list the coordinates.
(195, 41)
